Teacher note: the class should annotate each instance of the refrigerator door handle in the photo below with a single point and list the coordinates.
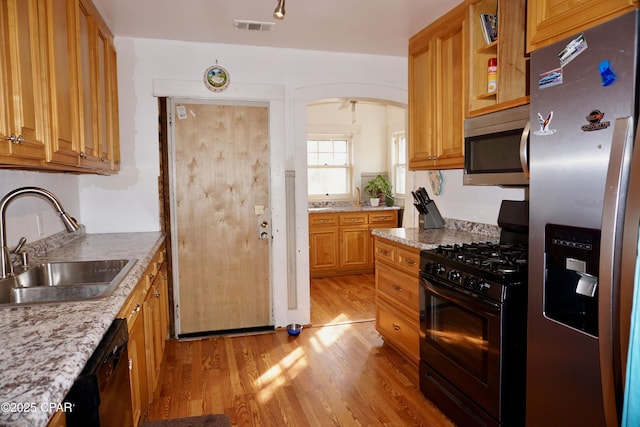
(613, 211)
(524, 149)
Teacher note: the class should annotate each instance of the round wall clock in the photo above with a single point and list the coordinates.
(216, 78)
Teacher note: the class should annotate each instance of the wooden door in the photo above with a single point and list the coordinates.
(221, 193)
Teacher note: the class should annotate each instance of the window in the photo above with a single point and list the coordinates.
(329, 166)
(399, 143)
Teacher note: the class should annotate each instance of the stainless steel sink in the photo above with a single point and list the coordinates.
(64, 281)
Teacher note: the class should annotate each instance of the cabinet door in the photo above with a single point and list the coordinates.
(450, 92)
(22, 84)
(437, 93)
(422, 146)
(355, 247)
(102, 97)
(88, 86)
(323, 249)
(549, 21)
(114, 120)
(62, 59)
(138, 368)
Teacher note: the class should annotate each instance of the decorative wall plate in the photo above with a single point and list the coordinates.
(216, 78)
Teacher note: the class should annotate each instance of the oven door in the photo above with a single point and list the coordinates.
(462, 341)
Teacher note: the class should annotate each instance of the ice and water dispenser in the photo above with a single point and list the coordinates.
(572, 257)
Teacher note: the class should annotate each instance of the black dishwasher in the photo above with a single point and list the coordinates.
(101, 395)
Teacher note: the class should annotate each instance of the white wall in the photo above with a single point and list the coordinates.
(128, 201)
(21, 213)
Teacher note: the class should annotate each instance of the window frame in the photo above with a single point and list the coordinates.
(333, 136)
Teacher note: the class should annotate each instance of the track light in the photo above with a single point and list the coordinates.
(278, 13)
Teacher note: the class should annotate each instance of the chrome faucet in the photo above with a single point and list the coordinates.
(6, 267)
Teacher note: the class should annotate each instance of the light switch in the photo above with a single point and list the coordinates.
(259, 209)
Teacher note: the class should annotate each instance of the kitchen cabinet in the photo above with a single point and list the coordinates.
(437, 93)
(58, 91)
(22, 87)
(508, 49)
(323, 244)
(355, 242)
(59, 419)
(132, 311)
(549, 21)
(147, 314)
(341, 243)
(397, 296)
(156, 326)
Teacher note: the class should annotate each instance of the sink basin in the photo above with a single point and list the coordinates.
(64, 281)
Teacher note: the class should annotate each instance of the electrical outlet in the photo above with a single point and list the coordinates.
(40, 224)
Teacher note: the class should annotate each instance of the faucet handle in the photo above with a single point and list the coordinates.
(19, 246)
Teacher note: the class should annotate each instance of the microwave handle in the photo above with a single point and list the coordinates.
(524, 140)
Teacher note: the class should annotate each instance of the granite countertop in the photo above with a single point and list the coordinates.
(363, 208)
(43, 348)
(429, 239)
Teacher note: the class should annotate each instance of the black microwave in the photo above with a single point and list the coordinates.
(496, 148)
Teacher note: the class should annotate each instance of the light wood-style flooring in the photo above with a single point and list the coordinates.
(338, 372)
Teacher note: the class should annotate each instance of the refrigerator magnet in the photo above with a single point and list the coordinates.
(607, 74)
(550, 78)
(573, 49)
(595, 121)
(544, 125)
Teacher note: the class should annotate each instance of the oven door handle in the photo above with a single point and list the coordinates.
(462, 297)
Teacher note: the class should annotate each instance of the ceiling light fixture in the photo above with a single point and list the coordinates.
(278, 13)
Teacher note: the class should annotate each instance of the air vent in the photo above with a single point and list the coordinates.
(253, 25)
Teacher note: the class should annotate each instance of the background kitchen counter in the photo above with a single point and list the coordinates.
(454, 232)
(363, 208)
(43, 348)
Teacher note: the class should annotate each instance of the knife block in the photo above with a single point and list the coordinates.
(432, 219)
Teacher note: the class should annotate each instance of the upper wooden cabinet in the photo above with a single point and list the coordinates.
(58, 92)
(508, 49)
(22, 88)
(438, 93)
(549, 21)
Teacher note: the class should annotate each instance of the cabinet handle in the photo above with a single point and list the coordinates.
(83, 155)
(157, 294)
(135, 309)
(396, 326)
(410, 262)
(396, 288)
(151, 276)
(15, 139)
(384, 252)
(382, 218)
(354, 219)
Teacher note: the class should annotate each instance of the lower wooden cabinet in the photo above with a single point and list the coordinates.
(397, 296)
(341, 242)
(147, 315)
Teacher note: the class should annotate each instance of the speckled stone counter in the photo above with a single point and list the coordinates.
(428, 239)
(363, 208)
(43, 348)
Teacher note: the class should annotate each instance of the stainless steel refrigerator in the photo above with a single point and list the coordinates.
(584, 214)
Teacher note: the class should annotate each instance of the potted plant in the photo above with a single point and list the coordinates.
(380, 187)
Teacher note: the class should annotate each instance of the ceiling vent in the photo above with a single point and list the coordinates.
(252, 25)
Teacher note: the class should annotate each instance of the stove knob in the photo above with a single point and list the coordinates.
(454, 275)
(429, 266)
(470, 282)
(483, 286)
(439, 269)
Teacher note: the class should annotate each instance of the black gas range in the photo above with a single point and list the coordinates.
(482, 268)
(473, 309)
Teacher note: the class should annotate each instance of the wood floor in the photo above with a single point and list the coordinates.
(338, 372)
